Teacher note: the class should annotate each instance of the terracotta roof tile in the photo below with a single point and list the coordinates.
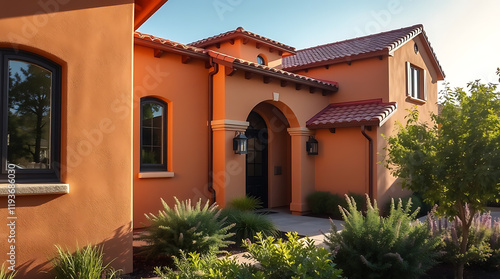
(357, 48)
(241, 32)
(352, 114)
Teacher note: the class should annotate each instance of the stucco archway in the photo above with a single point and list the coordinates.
(268, 163)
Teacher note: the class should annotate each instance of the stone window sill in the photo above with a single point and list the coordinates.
(415, 100)
(36, 189)
(156, 174)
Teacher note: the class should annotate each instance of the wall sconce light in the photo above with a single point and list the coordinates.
(312, 146)
(240, 143)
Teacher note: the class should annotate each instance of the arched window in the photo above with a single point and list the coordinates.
(153, 134)
(30, 87)
(261, 60)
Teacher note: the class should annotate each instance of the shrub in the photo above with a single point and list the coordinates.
(375, 247)
(292, 259)
(86, 263)
(247, 224)
(6, 275)
(483, 245)
(186, 227)
(317, 202)
(246, 203)
(416, 204)
(326, 203)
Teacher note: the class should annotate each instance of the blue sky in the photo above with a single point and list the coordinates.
(465, 34)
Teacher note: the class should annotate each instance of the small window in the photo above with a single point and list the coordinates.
(153, 135)
(261, 60)
(31, 95)
(416, 82)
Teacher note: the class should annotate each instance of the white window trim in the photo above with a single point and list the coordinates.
(26, 189)
(423, 85)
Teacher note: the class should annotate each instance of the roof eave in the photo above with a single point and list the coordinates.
(144, 9)
(344, 124)
(169, 48)
(328, 88)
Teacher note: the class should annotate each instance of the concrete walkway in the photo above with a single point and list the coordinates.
(312, 227)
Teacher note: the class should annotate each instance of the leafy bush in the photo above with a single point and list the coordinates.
(291, 259)
(6, 275)
(247, 224)
(317, 202)
(483, 245)
(186, 227)
(326, 203)
(375, 247)
(246, 203)
(86, 263)
(206, 266)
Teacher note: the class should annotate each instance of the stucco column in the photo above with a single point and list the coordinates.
(302, 170)
(228, 168)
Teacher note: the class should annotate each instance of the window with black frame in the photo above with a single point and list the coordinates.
(153, 134)
(31, 95)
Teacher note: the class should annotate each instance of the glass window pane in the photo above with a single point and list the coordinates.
(152, 132)
(157, 136)
(29, 115)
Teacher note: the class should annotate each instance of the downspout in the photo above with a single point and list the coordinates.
(210, 133)
(370, 161)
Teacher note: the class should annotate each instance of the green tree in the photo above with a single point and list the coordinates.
(455, 161)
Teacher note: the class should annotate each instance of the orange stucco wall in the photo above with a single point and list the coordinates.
(389, 187)
(342, 162)
(95, 54)
(362, 80)
(185, 89)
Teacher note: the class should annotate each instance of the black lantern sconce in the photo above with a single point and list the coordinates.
(312, 146)
(240, 143)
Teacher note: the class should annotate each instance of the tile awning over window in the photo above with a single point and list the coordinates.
(353, 114)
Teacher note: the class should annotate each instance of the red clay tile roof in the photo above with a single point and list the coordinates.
(168, 42)
(357, 48)
(150, 41)
(240, 32)
(352, 114)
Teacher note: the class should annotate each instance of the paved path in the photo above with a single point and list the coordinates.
(312, 227)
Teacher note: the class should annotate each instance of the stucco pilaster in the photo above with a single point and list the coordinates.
(228, 168)
(302, 175)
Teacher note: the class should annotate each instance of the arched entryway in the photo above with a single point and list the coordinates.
(268, 162)
(257, 158)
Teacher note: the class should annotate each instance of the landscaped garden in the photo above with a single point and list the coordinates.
(454, 164)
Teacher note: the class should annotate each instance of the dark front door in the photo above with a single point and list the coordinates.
(256, 167)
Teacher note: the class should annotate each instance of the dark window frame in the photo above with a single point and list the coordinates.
(263, 62)
(32, 175)
(164, 165)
